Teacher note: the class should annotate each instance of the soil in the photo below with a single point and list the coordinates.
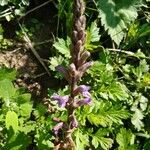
(32, 75)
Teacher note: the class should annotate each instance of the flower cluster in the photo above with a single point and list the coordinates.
(73, 74)
(82, 89)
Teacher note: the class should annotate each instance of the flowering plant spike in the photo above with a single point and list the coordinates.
(73, 74)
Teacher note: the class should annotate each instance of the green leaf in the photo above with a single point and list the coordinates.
(7, 90)
(26, 109)
(81, 140)
(23, 98)
(92, 37)
(116, 16)
(105, 114)
(63, 46)
(11, 120)
(18, 141)
(28, 127)
(137, 119)
(40, 110)
(99, 139)
(125, 139)
(6, 73)
(146, 78)
(116, 90)
(55, 61)
(142, 68)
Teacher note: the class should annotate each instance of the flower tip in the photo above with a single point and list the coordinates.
(57, 128)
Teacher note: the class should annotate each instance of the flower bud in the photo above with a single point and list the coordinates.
(72, 70)
(84, 56)
(85, 66)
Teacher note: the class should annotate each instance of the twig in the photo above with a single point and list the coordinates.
(128, 53)
(44, 42)
(31, 46)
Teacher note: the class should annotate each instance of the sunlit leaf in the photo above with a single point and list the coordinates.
(7, 89)
(63, 46)
(11, 120)
(116, 16)
(92, 37)
(125, 139)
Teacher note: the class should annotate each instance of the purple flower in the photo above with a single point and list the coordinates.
(82, 89)
(85, 101)
(61, 100)
(86, 94)
(57, 128)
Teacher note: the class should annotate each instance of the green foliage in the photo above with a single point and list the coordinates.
(116, 16)
(63, 47)
(92, 37)
(107, 86)
(7, 90)
(126, 139)
(99, 139)
(106, 114)
(119, 115)
(16, 110)
(18, 8)
(12, 120)
(81, 140)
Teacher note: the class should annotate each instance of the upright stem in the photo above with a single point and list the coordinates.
(78, 41)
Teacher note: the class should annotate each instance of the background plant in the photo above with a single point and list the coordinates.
(119, 115)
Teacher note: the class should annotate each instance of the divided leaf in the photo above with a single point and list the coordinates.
(92, 37)
(81, 140)
(63, 46)
(99, 139)
(125, 139)
(105, 114)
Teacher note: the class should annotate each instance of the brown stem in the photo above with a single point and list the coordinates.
(78, 41)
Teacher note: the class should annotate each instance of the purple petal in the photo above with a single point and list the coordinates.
(57, 128)
(86, 94)
(85, 101)
(61, 100)
(81, 89)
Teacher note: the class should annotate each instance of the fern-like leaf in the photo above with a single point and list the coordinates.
(105, 114)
